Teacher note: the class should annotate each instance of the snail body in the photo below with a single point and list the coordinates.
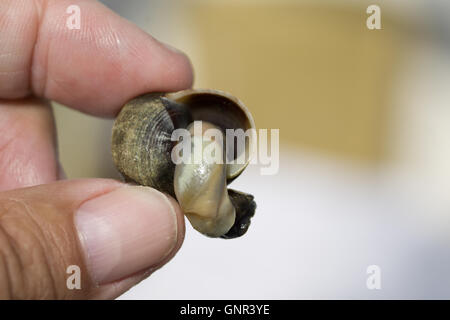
(142, 146)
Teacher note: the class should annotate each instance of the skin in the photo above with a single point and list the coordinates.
(94, 70)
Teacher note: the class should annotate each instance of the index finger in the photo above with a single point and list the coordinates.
(94, 69)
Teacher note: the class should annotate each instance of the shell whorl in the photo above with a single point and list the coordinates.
(142, 151)
(142, 143)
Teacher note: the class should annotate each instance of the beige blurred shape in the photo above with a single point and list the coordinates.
(315, 72)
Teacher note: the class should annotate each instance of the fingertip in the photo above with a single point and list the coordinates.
(184, 77)
(157, 66)
(130, 229)
(114, 289)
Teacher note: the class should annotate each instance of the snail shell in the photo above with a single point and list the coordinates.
(142, 151)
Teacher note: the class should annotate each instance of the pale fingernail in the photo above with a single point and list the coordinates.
(128, 230)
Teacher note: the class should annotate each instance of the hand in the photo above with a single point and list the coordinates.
(116, 234)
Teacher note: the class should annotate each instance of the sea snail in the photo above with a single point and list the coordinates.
(142, 146)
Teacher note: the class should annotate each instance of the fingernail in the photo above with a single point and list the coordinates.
(128, 230)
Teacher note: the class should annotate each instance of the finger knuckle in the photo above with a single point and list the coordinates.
(25, 259)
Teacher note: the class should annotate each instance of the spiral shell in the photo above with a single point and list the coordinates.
(142, 151)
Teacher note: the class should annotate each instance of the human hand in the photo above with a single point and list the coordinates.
(116, 234)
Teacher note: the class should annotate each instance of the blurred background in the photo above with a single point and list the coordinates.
(364, 119)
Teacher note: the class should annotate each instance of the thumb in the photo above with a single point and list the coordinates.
(78, 239)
